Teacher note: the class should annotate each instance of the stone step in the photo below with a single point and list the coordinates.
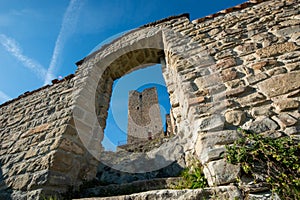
(129, 188)
(221, 192)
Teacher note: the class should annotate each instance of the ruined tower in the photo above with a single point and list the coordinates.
(144, 119)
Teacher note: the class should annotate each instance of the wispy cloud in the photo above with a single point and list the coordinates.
(11, 46)
(4, 97)
(67, 27)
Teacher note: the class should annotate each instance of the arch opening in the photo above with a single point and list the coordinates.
(139, 86)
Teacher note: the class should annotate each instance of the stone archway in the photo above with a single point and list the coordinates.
(179, 55)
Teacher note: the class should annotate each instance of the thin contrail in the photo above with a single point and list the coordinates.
(11, 46)
(67, 27)
(4, 97)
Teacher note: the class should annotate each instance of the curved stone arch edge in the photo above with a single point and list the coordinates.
(89, 130)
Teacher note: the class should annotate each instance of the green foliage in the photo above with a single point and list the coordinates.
(192, 178)
(280, 159)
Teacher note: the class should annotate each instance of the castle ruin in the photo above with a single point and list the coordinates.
(144, 119)
(235, 68)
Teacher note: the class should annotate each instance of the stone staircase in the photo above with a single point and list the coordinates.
(129, 188)
(222, 192)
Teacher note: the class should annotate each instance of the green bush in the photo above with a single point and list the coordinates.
(280, 159)
(192, 177)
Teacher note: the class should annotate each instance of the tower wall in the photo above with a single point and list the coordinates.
(144, 119)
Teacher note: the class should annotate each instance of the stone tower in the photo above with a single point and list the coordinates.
(144, 119)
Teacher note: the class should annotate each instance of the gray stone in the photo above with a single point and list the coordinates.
(263, 125)
(292, 130)
(256, 78)
(287, 120)
(263, 196)
(211, 123)
(210, 146)
(222, 192)
(262, 111)
(220, 172)
(285, 32)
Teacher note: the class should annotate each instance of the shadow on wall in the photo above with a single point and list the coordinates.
(107, 175)
(108, 179)
(5, 192)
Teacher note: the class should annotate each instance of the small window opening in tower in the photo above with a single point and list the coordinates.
(142, 82)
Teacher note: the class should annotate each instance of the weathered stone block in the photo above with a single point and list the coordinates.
(21, 182)
(253, 79)
(225, 63)
(292, 130)
(210, 146)
(62, 161)
(228, 74)
(208, 81)
(71, 146)
(286, 120)
(211, 123)
(263, 125)
(246, 48)
(235, 117)
(286, 104)
(196, 100)
(280, 84)
(251, 99)
(276, 49)
(259, 65)
(220, 172)
(262, 111)
(285, 32)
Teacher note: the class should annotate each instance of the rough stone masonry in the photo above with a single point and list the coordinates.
(235, 68)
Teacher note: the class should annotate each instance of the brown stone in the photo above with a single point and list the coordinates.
(246, 48)
(70, 146)
(226, 63)
(207, 81)
(20, 182)
(286, 104)
(253, 79)
(62, 161)
(237, 91)
(251, 99)
(276, 49)
(228, 74)
(31, 153)
(36, 130)
(259, 65)
(235, 117)
(196, 100)
(280, 84)
(235, 83)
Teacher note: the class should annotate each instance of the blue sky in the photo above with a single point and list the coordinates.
(42, 40)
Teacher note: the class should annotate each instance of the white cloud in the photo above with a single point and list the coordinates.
(4, 97)
(11, 46)
(67, 27)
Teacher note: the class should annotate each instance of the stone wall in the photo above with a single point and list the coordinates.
(32, 128)
(235, 68)
(144, 120)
